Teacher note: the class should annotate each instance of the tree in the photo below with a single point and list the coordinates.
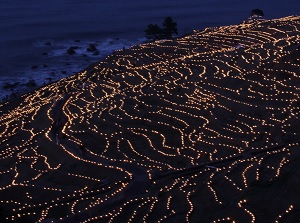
(153, 32)
(257, 13)
(169, 27)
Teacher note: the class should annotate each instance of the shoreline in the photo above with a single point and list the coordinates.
(54, 62)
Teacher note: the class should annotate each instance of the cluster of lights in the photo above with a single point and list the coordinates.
(223, 99)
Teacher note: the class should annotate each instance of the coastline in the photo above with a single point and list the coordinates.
(53, 62)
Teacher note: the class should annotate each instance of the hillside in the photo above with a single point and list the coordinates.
(203, 128)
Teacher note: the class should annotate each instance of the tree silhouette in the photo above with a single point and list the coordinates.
(169, 27)
(153, 32)
(257, 12)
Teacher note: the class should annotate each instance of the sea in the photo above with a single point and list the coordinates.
(36, 34)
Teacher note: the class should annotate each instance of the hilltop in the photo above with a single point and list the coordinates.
(202, 128)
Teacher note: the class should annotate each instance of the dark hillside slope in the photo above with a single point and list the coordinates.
(203, 128)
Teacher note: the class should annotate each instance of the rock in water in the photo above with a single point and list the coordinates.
(91, 48)
(71, 50)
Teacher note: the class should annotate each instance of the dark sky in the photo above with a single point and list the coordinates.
(56, 17)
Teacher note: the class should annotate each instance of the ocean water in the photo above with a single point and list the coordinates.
(35, 34)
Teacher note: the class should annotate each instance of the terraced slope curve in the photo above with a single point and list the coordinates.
(203, 128)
